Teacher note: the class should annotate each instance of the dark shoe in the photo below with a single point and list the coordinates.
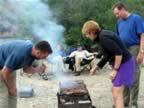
(93, 106)
(45, 77)
(77, 74)
(126, 105)
(113, 106)
(71, 68)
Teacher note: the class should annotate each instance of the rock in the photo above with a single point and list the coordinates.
(26, 92)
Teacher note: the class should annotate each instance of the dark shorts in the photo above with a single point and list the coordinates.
(125, 75)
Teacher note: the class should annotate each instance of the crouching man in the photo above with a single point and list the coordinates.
(15, 55)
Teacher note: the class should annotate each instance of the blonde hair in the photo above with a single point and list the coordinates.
(90, 26)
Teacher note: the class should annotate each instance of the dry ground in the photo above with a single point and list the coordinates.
(45, 91)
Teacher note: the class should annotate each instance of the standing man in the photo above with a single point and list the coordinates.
(15, 55)
(131, 30)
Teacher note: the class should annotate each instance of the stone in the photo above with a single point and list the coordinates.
(25, 92)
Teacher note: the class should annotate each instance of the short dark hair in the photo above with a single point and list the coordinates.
(44, 46)
(119, 6)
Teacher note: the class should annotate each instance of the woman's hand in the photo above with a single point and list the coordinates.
(113, 74)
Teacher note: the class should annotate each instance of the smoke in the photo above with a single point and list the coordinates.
(8, 26)
(59, 69)
(40, 20)
(33, 17)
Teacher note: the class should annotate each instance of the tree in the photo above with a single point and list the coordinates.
(73, 13)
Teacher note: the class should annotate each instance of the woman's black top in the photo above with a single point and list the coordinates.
(111, 45)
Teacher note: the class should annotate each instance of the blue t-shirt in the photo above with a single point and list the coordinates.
(16, 54)
(130, 29)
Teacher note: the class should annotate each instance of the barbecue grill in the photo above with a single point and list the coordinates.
(73, 94)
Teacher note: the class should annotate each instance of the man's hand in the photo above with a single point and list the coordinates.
(139, 58)
(113, 74)
(33, 70)
(12, 91)
(42, 68)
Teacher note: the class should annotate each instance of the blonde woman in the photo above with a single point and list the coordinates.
(114, 52)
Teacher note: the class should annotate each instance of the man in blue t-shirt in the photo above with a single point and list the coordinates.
(15, 55)
(131, 30)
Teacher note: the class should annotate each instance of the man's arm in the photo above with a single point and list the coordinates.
(140, 55)
(142, 42)
(139, 27)
(32, 70)
(6, 75)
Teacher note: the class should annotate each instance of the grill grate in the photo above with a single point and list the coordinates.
(73, 94)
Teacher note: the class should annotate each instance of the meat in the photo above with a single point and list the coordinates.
(75, 88)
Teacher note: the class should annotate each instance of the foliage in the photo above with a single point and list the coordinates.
(73, 13)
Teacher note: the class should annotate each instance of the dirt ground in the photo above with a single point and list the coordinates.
(45, 91)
